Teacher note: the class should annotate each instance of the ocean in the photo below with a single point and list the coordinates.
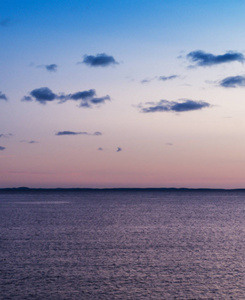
(122, 244)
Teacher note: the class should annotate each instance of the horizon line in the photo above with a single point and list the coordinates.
(120, 189)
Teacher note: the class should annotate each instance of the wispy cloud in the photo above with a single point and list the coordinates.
(32, 142)
(233, 82)
(147, 80)
(86, 98)
(161, 78)
(3, 97)
(97, 133)
(27, 99)
(5, 22)
(2, 135)
(201, 58)
(173, 106)
(99, 60)
(67, 132)
(50, 68)
(29, 142)
(165, 78)
(2, 148)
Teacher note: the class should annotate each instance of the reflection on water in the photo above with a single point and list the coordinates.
(122, 245)
(41, 202)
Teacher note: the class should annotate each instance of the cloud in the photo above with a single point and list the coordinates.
(97, 133)
(146, 80)
(119, 149)
(3, 97)
(161, 78)
(32, 142)
(100, 100)
(51, 68)
(83, 95)
(2, 148)
(43, 95)
(202, 58)
(27, 99)
(233, 81)
(5, 135)
(5, 22)
(166, 106)
(67, 132)
(87, 98)
(165, 78)
(99, 60)
(29, 142)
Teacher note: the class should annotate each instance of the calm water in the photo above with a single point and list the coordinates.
(122, 245)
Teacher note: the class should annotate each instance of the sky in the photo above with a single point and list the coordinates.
(122, 93)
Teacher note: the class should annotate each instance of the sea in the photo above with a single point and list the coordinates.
(122, 244)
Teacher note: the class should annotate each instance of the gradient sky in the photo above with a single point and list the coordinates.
(122, 93)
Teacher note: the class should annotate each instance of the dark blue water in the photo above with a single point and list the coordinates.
(122, 245)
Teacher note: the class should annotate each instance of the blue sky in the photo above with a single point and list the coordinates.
(177, 119)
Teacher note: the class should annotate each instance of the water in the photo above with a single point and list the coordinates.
(122, 245)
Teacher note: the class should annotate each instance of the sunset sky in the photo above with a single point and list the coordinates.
(122, 93)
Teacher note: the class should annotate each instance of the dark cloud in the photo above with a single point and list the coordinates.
(83, 95)
(202, 58)
(100, 100)
(188, 105)
(233, 81)
(5, 22)
(86, 98)
(165, 78)
(51, 68)
(89, 99)
(165, 106)
(43, 95)
(3, 97)
(119, 149)
(2, 148)
(67, 132)
(99, 60)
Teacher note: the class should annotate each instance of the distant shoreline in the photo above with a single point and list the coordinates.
(26, 189)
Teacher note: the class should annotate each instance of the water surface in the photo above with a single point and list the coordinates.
(122, 245)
